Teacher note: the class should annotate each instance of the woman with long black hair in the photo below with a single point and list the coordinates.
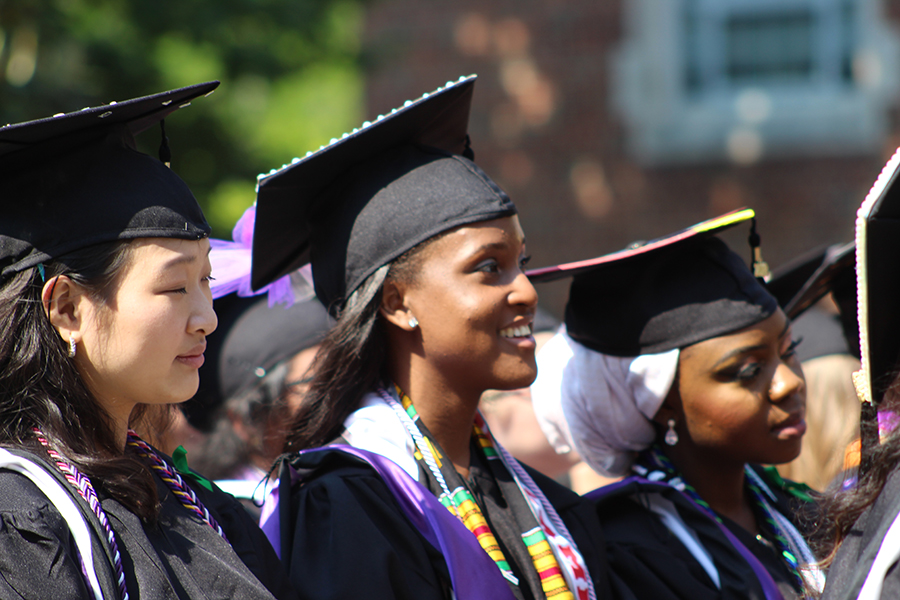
(420, 257)
(104, 312)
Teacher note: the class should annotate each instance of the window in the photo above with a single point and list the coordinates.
(699, 80)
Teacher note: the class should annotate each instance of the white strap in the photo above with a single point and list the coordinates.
(888, 554)
(667, 512)
(66, 506)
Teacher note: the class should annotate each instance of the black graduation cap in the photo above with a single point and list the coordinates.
(365, 199)
(878, 266)
(74, 180)
(802, 282)
(252, 338)
(878, 289)
(668, 293)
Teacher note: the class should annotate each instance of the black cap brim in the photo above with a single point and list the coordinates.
(709, 227)
(878, 265)
(804, 281)
(138, 114)
(669, 293)
(288, 197)
(75, 180)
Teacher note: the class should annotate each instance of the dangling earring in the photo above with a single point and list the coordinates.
(413, 322)
(671, 436)
(72, 347)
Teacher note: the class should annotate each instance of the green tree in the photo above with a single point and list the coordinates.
(289, 69)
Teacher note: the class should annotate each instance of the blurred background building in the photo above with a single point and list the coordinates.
(610, 122)
(607, 122)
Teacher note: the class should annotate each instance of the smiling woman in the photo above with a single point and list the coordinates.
(105, 307)
(474, 311)
(420, 257)
(695, 380)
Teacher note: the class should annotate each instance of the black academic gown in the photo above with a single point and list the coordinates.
(181, 558)
(647, 561)
(346, 536)
(854, 558)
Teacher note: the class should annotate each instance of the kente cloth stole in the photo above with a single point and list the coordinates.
(459, 501)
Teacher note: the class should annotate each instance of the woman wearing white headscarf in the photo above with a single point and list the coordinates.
(676, 369)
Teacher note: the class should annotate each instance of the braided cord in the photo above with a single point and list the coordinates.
(86, 490)
(408, 416)
(771, 524)
(173, 481)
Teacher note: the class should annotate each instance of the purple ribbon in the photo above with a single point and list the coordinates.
(770, 589)
(474, 574)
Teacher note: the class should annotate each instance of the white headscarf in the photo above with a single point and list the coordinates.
(600, 405)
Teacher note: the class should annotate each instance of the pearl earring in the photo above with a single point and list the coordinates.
(413, 322)
(72, 347)
(671, 436)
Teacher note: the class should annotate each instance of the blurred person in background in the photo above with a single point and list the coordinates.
(256, 372)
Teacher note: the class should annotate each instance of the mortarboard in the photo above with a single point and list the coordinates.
(878, 263)
(75, 180)
(665, 294)
(252, 338)
(802, 282)
(366, 198)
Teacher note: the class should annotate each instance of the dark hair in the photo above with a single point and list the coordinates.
(41, 388)
(352, 358)
(843, 507)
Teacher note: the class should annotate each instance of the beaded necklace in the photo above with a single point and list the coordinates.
(770, 521)
(461, 503)
(173, 481)
(86, 490)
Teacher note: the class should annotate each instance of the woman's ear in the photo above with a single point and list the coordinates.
(393, 306)
(62, 300)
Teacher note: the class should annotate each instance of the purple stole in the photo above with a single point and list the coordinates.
(474, 575)
(770, 589)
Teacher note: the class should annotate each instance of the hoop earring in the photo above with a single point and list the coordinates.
(413, 322)
(72, 347)
(671, 436)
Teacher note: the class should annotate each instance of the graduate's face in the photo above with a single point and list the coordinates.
(743, 396)
(145, 343)
(475, 307)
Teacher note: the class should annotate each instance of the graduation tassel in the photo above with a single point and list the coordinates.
(165, 154)
(758, 265)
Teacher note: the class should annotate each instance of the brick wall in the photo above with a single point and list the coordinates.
(542, 126)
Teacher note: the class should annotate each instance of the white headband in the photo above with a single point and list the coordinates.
(601, 405)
